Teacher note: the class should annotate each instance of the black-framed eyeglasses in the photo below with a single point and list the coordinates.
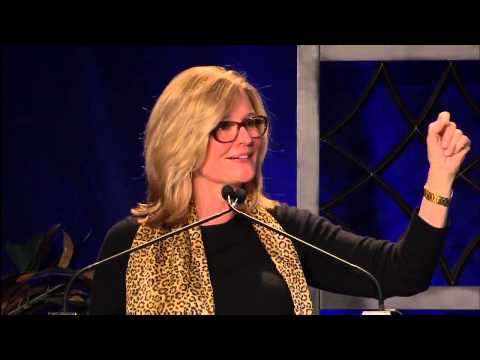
(227, 131)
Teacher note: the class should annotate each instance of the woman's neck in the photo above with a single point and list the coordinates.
(208, 201)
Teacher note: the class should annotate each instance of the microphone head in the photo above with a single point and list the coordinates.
(227, 190)
(241, 195)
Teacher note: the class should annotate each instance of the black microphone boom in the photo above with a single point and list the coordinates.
(234, 198)
(128, 251)
(241, 193)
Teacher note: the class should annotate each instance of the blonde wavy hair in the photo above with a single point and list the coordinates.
(177, 136)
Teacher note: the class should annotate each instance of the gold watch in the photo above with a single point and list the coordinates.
(436, 198)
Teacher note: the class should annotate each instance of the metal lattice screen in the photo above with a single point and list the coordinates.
(373, 160)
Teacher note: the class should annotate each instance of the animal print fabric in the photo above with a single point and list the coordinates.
(171, 277)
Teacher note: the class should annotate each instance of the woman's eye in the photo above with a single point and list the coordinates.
(225, 126)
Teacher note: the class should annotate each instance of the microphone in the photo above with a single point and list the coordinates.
(230, 194)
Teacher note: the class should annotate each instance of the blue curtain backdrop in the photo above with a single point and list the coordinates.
(72, 123)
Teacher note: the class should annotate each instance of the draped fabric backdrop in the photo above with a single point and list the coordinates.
(72, 124)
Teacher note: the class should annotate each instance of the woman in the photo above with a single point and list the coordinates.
(209, 128)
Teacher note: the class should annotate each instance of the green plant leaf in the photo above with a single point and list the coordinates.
(34, 296)
(21, 299)
(43, 249)
(67, 253)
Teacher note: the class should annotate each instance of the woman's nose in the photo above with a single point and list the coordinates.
(243, 136)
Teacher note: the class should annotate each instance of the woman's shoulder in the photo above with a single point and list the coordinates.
(120, 236)
(301, 221)
(124, 227)
(285, 212)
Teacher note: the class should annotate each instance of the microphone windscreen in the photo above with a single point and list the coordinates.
(241, 195)
(227, 190)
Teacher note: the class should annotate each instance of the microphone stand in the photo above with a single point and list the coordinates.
(381, 305)
(128, 251)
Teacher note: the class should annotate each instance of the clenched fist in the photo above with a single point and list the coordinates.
(447, 146)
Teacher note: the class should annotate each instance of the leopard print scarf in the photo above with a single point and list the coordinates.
(171, 277)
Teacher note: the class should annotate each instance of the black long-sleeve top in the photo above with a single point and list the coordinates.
(245, 280)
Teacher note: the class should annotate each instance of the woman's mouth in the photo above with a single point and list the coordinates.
(240, 157)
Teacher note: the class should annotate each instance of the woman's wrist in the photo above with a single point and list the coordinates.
(439, 183)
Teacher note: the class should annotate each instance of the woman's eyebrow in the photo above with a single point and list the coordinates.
(244, 119)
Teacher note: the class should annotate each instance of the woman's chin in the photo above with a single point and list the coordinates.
(243, 178)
